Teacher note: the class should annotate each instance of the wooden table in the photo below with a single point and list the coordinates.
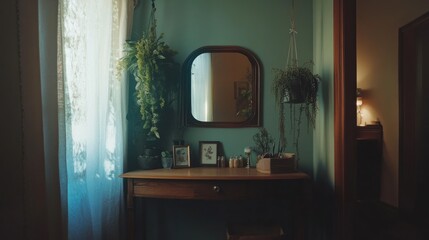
(220, 184)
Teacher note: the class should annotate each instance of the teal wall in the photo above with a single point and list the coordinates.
(262, 27)
(323, 138)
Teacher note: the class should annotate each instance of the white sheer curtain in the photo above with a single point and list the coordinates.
(201, 86)
(92, 115)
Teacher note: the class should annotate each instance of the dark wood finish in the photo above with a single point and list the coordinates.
(413, 118)
(202, 173)
(345, 115)
(369, 157)
(370, 132)
(407, 108)
(221, 184)
(252, 121)
(208, 190)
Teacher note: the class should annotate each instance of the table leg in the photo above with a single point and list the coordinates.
(303, 203)
(130, 210)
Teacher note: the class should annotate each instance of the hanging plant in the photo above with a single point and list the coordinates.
(149, 59)
(295, 86)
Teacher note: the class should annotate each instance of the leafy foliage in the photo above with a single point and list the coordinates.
(263, 141)
(149, 59)
(166, 154)
(244, 100)
(296, 86)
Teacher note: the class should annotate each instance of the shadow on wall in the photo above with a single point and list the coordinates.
(322, 222)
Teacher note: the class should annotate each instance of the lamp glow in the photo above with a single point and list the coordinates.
(359, 101)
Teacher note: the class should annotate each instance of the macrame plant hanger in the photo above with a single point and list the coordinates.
(152, 19)
(292, 55)
(292, 62)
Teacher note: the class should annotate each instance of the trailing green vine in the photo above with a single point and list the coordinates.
(297, 87)
(149, 59)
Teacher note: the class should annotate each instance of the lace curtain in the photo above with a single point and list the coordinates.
(92, 115)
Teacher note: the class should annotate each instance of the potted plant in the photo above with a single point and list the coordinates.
(167, 159)
(150, 59)
(296, 88)
(264, 142)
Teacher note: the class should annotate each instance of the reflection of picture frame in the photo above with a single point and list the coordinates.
(208, 153)
(239, 87)
(181, 156)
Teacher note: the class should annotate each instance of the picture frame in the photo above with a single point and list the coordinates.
(181, 156)
(209, 150)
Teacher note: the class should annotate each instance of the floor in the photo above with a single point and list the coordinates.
(377, 221)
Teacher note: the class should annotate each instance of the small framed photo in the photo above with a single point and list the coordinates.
(209, 151)
(181, 156)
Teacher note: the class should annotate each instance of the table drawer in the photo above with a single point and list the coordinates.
(206, 190)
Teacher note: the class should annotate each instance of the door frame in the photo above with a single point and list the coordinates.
(409, 166)
(344, 116)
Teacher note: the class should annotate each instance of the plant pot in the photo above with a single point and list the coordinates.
(152, 151)
(167, 162)
(149, 162)
(293, 97)
(151, 157)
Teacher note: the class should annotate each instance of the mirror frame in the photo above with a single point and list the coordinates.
(254, 120)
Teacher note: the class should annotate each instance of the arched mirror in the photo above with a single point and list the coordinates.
(222, 87)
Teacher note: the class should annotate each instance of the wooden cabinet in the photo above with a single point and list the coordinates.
(369, 158)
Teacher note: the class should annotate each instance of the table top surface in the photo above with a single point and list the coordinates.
(212, 173)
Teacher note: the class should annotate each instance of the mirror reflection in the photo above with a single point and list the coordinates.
(222, 87)
(217, 80)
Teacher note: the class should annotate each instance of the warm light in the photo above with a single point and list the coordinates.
(359, 101)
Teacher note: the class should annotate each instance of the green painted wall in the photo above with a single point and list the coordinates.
(262, 27)
(323, 138)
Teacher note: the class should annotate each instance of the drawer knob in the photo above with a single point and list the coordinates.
(216, 188)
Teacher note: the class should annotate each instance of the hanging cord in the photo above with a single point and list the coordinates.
(292, 55)
(152, 17)
(153, 7)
